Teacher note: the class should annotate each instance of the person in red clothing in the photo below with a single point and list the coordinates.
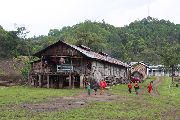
(136, 87)
(102, 86)
(101, 83)
(129, 87)
(150, 87)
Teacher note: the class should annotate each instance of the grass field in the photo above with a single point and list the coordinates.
(18, 94)
(162, 106)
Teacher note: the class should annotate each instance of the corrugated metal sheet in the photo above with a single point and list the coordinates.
(139, 67)
(98, 56)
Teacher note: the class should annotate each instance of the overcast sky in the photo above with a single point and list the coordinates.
(39, 16)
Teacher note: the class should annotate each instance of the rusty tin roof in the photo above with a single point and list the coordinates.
(88, 53)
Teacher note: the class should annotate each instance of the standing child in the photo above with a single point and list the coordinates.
(88, 88)
(95, 87)
(102, 84)
(150, 88)
(136, 87)
(84, 82)
(130, 87)
(105, 85)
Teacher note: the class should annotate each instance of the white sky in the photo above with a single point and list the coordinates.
(39, 16)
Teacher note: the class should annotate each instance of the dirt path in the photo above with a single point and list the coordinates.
(80, 100)
(171, 111)
(156, 83)
(65, 103)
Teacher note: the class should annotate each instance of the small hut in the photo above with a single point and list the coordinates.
(139, 69)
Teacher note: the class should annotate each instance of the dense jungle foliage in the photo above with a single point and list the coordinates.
(150, 40)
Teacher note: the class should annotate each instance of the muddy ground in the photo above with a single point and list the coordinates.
(79, 100)
(65, 103)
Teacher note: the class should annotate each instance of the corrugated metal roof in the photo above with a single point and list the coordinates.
(98, 56)
(89, 54)
(134, 63)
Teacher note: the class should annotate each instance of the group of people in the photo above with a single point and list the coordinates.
(94, 86)
(137, 87)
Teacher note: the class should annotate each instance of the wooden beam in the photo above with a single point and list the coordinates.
(47, 81)
(81, 80)
(66, 56)
(41, 64)
(33, 81)
(69, 80)
(51, 83)
(40, 81)
(60, 81)
(73, 79)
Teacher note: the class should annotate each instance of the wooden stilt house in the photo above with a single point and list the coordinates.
(64, 65)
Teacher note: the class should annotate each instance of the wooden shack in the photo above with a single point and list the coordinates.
(63, 65)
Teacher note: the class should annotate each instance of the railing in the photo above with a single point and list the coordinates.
(65, 68)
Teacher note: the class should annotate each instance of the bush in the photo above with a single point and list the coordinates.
(22, 64)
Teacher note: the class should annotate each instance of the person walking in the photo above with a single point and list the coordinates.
(150, 87)
(84, 82)
(103, 84)
(136, 87)
(95, 87)
(89, 88)
(129, 87)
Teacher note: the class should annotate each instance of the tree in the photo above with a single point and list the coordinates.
(171, 56)
(141, 40)
(22, 32)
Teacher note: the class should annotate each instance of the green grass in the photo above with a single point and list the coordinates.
(170, 93)
(18, 94)
(166, 88)
(129, 106)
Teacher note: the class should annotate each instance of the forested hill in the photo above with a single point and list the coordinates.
(12, 43)
(145, 40)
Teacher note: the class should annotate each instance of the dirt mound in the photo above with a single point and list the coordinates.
(10, 78)
(8, 73)
(7, 68)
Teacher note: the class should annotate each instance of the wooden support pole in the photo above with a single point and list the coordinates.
(33, 81)
(41, 64)
(36, 82)
(51, 83)
(70, 81)
(73, 80)
(40, 84)
(47, 81)
(81, 81)
(29, 79)
(60, 81)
